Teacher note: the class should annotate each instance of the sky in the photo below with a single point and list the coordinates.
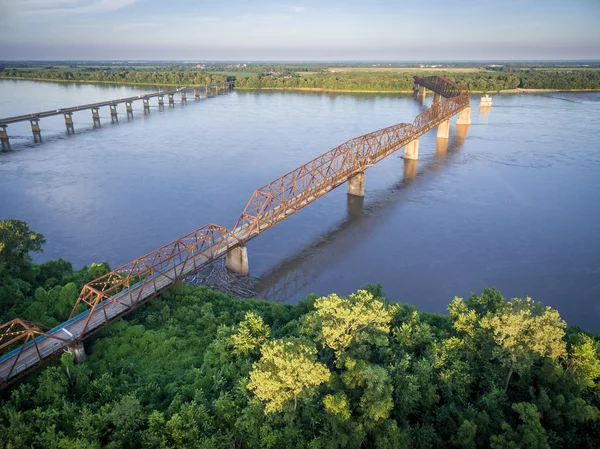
(377, 30)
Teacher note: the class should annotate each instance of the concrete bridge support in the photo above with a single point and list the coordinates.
(196, 94)
(78, 352)
(161, 101)
(35, 129)
(69, 123)
(356, 184)
(171, 100)
(444, 130)
(464, 117)
(437, 98)
(113, 113)
(207, 92)
(183, 97)
(146, 102)
(96, 116)
(237, 260)
(411, 151)
(129, 108)
(4, 141)
(422, 92)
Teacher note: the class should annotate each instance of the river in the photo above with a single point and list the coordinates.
(513, 205)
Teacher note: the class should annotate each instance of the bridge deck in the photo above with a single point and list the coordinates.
(271, 205)
(59, 111)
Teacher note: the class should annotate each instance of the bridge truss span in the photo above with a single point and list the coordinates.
(115, 294)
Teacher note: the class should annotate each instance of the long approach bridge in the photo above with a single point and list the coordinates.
(28, 345)
(34, 118)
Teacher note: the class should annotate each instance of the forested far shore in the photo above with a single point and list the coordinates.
(196, 368)
(330, 80)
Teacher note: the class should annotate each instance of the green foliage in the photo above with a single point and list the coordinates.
(286, 370)
(195, 368)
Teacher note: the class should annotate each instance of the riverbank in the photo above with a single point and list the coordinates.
(299, 89)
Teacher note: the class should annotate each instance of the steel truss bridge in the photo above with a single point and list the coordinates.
(27, 345)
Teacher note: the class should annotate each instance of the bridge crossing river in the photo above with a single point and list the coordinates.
(34, 118)
(106, 299)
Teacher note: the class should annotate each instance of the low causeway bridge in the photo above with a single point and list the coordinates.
(26, 345)
(34, 118)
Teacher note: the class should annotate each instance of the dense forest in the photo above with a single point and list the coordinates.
(196, 368)
(298, 77)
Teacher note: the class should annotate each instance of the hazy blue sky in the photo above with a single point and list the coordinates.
(300, 30)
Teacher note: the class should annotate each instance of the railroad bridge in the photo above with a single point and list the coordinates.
(27, 345)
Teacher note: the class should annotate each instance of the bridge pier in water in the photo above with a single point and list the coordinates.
(464, 117)
(444, 130)
(161, 101)
(113, 113)
(237, 260)
(69, 123)
(96, 116)
(437, 98)
(146, 102)
(35, 129)
(356, 184)
(78, 352)
(411, 151)
(171, 100)
(129, 108)
(183, 97)
(196, 95)
(4, 141)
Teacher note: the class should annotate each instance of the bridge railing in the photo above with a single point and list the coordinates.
(143, 278)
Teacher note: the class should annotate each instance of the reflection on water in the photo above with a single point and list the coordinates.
(511, 201)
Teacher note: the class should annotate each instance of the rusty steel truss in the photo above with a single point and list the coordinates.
(111, 296)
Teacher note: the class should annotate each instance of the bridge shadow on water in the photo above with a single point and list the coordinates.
(283, 282)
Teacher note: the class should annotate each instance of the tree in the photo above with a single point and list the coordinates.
(251, 333)
(287, 369)
(524, 331)
(16, 242)
(339, 322)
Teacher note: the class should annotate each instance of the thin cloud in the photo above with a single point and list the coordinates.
(297, 9)
(64, 7)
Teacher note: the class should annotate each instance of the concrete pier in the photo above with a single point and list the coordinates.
(196, 95)
(146, 102)
(96, 115)
(129, 107)
(237, 260)
(4, 141)
(437, 98)
(183, 97)
(69, 122)
(207, 92)
(78, 352)
(422, 92)
(113, 113)
(171, 100)
(411, 151)
(35, 129)
(161, 101)
(464, 117)
(356, 184)
(444, 130)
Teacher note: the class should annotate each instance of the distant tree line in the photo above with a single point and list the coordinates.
(282, 77)
(165, 78)
(403, 81)
(195, 368)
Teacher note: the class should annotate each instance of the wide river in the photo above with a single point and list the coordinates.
(513, 205)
